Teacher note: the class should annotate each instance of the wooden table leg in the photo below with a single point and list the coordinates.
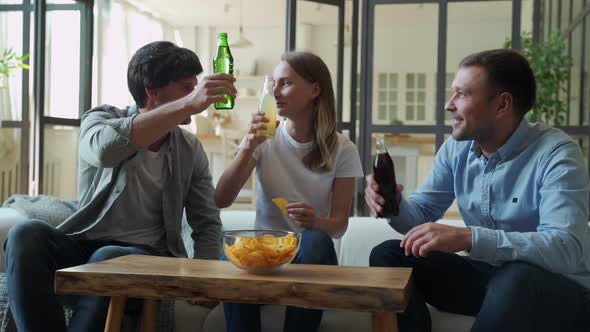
(384, 322)
(115, 314)
(149, 315)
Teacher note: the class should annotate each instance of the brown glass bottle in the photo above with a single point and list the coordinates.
(384, 173)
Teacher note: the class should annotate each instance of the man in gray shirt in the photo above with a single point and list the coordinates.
(138, 172)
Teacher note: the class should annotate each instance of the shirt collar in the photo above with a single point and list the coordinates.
(516, 141)
(512, 145)
(475, 149)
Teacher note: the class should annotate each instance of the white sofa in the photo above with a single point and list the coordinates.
(353, 250)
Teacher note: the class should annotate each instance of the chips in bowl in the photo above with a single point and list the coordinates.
(260, 251)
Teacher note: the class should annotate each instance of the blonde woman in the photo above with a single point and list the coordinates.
(308, 163)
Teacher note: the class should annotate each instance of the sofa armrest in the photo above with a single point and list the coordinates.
(8, 218)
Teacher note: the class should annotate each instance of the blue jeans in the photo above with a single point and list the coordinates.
(316, 248)
(515, 296)
(34, 251)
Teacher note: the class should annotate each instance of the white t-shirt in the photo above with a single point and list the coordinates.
(280, 172)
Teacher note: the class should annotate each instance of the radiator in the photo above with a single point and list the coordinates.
(9, 182)
(52, 178)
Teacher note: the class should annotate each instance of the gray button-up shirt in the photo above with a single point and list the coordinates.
(105, 147)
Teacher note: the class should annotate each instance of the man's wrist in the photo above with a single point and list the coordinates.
(467, 237)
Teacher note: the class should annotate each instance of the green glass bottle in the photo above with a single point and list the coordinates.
(223, 63)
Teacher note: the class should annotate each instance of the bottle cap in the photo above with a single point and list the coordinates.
(222, 34)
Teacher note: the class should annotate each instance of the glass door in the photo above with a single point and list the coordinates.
(410, 52)
(15, 41)
(63, 58)
(326, 28)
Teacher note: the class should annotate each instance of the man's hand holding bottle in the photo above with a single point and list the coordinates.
(374, 200)
(210, 90)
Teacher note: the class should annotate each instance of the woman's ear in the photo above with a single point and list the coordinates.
(315, 91)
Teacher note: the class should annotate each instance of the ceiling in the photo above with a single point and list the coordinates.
(272, 13)
(256, 13)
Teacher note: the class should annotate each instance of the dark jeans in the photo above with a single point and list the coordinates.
(516, 296)
(34, 251)
(316, 248)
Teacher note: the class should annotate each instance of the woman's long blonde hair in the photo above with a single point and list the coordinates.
(313, 70)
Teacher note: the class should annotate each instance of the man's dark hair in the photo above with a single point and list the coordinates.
(157, 64)
(507, 71)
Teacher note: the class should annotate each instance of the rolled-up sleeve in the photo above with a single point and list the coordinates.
(105, 138)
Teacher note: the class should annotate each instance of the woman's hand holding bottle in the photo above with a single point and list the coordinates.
(253, 139)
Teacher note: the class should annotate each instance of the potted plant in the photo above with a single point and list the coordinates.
(550, 64)
(10, 61)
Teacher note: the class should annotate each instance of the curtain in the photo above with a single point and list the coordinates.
(125, 29)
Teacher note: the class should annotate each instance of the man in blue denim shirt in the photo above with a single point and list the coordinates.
(522, 190)
(138, 172)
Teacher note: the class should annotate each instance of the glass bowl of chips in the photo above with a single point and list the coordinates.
(260, 251)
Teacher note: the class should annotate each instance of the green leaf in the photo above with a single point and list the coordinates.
(550, 64)
(10, 61)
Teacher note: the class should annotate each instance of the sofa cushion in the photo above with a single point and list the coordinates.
(443, 321)
(362, 235)
(236, 220)
(189, 317)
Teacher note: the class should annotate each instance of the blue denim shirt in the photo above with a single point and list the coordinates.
(527, 202)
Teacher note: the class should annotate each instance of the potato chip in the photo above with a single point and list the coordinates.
(281, 203)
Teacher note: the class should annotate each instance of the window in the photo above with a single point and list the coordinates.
(62, 64)
(387, 99)
(14, 106)
(415, 96)
(38, 133)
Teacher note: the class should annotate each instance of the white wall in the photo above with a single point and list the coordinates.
(268, 45)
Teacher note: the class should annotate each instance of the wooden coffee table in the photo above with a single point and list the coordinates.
(381, 291)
